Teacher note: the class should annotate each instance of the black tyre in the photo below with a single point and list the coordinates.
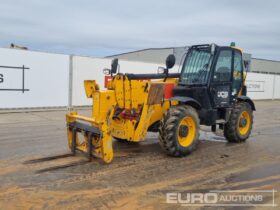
(179, 130)
(240, 123)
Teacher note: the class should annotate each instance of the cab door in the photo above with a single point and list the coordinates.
(237, 79)
(220, 86)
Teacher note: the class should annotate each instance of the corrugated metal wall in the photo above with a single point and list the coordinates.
(260, 65)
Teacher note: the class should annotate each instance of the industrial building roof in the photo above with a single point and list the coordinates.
(158, 55)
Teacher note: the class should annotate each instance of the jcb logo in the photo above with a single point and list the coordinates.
(222, 94)
(1, 78)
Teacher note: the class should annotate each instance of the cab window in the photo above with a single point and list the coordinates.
(237, 72)
(222, 72)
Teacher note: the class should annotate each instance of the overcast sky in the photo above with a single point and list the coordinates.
(99, 28)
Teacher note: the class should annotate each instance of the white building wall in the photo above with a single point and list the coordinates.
(46, 79)
(85, 68)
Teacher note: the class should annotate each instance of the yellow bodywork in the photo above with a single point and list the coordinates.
(125, 110)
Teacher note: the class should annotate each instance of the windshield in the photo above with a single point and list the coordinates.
(195, 68)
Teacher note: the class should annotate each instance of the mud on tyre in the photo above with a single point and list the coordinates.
(179, 130)
(239, 126)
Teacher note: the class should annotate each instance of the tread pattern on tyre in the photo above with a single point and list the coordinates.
(168, 130)
(231, 127)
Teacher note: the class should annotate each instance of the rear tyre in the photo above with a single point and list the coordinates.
(239, 126)
(179, 130)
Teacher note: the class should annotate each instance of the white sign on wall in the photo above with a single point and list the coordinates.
(255, 86)
(12, 78)
(33, 79)
(260, 86)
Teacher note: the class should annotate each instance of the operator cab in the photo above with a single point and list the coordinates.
(211, 76)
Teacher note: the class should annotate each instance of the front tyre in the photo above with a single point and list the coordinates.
(239, 126)
(179, 130)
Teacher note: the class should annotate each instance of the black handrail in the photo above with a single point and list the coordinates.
(152, 76)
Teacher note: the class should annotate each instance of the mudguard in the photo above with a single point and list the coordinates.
(187, 100)
(248, 100)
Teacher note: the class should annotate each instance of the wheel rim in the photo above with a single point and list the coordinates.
(186, 131)
(244, 122)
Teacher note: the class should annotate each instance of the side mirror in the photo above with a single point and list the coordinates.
(114, 66)
(170, 61)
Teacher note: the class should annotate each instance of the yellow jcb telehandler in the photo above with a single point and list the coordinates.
(209, 90)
